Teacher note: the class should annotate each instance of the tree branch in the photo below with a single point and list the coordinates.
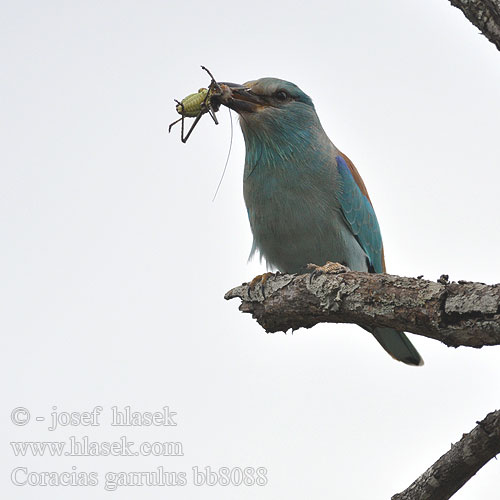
(462, 313)
(484, 14)
(458, 465)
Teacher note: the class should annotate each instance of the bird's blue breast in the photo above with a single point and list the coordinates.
(293, 205)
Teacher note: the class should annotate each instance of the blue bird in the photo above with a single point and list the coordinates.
(306, 201)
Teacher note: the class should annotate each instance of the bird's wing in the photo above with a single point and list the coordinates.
(359, 214)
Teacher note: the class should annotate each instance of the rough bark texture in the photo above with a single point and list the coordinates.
(484, 14)
(458, 465)
(462, 313)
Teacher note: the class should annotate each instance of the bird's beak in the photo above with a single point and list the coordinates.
(240, 98)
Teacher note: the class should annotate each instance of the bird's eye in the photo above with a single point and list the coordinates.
(281, 95)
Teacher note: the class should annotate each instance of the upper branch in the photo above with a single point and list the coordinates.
(484, 14)
(462, 313)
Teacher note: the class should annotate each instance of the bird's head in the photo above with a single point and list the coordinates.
(274, 112)
(265, 95)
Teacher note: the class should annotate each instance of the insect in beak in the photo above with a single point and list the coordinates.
(197, 104)
(241, 98)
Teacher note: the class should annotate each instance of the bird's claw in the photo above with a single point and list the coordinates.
(328, 268)
(259, 280)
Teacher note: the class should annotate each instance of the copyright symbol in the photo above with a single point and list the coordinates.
(20, 416)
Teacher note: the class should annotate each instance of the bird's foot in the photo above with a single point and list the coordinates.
(259, 280)
(328, 268)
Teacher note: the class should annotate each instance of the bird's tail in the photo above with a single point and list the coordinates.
(397, 345)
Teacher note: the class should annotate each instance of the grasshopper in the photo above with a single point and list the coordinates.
(196, 105)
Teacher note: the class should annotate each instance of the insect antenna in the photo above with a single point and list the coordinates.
(228, 155)
(211, 76)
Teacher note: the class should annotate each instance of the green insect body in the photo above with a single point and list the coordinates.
(196, 105)
(192, 105)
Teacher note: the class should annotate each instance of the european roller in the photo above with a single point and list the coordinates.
(306, 202)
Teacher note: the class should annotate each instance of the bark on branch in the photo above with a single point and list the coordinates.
(462, 313)
(458, 465)
(484, 14)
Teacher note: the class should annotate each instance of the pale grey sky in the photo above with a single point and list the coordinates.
(115, 260)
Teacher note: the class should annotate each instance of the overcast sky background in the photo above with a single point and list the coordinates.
(115, 260)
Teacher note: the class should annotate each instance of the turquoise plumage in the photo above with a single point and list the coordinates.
(306, 201)
(360, 215)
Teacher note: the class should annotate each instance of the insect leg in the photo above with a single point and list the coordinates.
(173, 123)
(211, 113)
(196, 120)
(207, 104)
(181, 104)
